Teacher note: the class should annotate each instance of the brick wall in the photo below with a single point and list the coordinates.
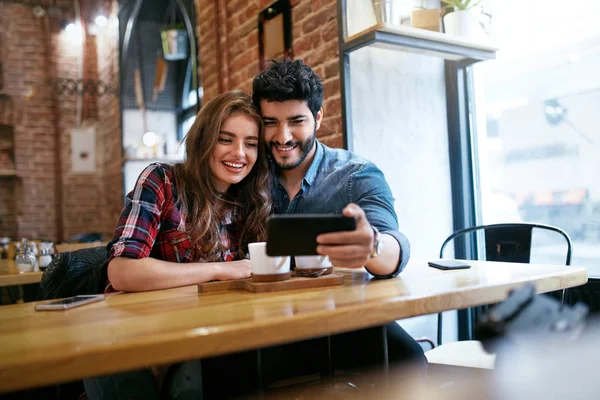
(50, 201)
(32, 116)
(109, 127)
(228, 49)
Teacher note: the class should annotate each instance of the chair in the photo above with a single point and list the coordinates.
(509, 242)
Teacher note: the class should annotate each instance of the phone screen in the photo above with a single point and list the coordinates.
(296, 234)
(72, 300)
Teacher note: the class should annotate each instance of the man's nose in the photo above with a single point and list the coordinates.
(283, 134)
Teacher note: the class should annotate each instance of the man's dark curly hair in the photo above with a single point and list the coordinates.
(288, 80)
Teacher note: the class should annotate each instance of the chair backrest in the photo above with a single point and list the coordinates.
(64, 247)
(509, 242)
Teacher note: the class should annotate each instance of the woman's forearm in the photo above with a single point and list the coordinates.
(148, 273)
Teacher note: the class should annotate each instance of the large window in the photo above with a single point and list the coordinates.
(538, 123)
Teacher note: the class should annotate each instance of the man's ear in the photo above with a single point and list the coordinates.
(319, 119)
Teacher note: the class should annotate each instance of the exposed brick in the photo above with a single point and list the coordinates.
(331, 88)
(301, 11)
(319, 18)
(333, 140)
(35, 206)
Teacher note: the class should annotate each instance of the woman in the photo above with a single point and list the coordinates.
(191, 223)
(180, 222)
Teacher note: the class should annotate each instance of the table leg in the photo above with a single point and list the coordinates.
(327, 371)
(384, 354)
(259, 374)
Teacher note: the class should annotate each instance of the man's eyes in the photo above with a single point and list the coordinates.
(292, 122)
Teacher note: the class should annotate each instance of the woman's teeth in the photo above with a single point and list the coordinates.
(233, 165)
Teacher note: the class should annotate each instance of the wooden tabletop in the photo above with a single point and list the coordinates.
(10, 275)
(128, 331)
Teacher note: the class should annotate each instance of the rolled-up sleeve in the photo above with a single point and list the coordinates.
(139, 222)
(370, 190)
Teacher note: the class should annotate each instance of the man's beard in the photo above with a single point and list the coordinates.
(305, 148)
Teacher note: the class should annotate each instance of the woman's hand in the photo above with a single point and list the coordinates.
(233, 270)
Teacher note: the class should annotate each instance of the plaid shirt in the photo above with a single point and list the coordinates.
(152, 223)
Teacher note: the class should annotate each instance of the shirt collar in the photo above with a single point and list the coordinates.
(311, 174)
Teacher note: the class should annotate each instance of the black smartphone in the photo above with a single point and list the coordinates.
(69, 302)
(448, 264)
(296, 234)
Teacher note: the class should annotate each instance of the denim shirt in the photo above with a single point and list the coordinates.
(337, 177)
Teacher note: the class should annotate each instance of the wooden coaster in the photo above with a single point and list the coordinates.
(261, 287)
(271, 277)
(313, 272)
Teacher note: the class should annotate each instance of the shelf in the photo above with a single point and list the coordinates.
(8, 172)
(452, 48)
(151, 160)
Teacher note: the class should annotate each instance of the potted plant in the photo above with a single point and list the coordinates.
(174, 39)
(464, 19)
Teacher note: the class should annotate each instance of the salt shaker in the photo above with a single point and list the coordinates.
(45, 258)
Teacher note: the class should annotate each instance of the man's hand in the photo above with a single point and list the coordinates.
(349, 249)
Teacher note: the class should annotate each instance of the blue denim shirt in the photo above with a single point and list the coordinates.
(336, 178)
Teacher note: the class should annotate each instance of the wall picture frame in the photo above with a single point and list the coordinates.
(275, 32)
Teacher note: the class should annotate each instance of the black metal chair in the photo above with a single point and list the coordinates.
(510, 242)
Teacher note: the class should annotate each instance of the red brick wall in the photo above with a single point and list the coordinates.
(25, 81)
(228, 47)
(43, 119)
(109, 127)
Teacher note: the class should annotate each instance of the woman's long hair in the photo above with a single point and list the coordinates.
(249, 199)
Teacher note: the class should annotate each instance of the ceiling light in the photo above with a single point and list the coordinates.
(101, 20)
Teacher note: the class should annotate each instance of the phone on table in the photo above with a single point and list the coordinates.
(296, 234)
(447, 265)
(69, 302)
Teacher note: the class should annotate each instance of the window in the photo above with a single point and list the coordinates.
(538, 123)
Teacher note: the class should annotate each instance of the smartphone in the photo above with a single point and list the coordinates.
(448, 264)
(69, 302)
(296, 234)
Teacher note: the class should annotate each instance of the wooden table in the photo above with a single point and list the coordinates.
(128, 331)
(10, 275)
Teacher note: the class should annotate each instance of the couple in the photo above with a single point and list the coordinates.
(192, 222)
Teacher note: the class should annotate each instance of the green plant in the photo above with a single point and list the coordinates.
(461, 5)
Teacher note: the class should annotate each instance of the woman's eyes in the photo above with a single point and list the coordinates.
(229, 141)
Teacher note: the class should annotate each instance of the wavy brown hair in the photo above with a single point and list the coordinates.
(249, 199)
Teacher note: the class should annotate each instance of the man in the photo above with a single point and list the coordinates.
(310, 177)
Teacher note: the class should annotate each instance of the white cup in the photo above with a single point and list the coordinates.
(307, 262)
(262, 264)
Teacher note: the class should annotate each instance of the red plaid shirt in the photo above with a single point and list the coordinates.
(152, 223)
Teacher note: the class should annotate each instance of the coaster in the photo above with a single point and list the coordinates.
(271, 277)
(312, 272)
